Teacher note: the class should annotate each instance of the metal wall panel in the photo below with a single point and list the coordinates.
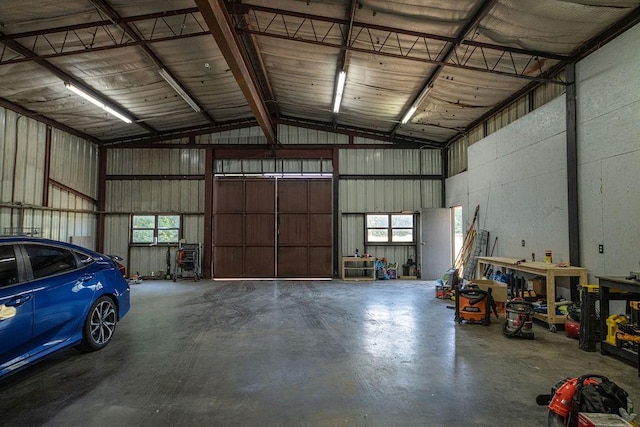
(155, 196)
(48, 223)
(272, 166)
(22, 144)
(146, 259)
(390, 162)
(370, 195)
(22, 173)
(251, 135)
(369, 141)
(69, 149)
(296, 135)
(8, 136)
(457, 158)
(352, 234)
(175, 161)
(64, 200)
(116, 236)
(353, 237)
(547, 92)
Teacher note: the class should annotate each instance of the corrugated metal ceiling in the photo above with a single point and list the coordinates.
(475, 55)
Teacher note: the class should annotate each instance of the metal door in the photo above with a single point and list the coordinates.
(436, 244)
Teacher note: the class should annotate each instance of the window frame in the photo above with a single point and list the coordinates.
(33, 268)
(156, 229)
(390, 228)
(20, 276)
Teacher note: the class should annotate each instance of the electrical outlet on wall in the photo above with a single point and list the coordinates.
(600, 249)
(523, 243)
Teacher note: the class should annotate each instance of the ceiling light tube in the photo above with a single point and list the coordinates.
(97, 102)
(416, 104)
(179, 90)
(407, 116)
(423, 96)
(342, 77)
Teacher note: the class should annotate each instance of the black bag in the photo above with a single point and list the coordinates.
(605, 397)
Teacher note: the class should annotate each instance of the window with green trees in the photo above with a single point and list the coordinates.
(161, 229)
(390, 228)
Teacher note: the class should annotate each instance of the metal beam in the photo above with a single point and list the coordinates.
(220, 25)
(66, 77)
(47, 121)
(583, 51)
(147, 140)
(70, 40)
(343, 61)
(361, 33)
(572, 166)
(482, 10)
(398, 141)
(111, 13)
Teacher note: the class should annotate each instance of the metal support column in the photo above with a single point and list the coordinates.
(572, 173)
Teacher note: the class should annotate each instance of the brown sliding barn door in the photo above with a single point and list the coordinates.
(272, 228)
(305, 231)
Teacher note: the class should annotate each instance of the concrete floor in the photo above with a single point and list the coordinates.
(277, 353)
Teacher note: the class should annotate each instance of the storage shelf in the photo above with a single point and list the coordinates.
(632, 291)
(363, 269)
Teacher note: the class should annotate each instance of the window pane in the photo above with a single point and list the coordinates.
(47, 260)
(402, 235)
(377, 235)
(8, 266)
(168, 221)
(377, 221)
(142, 236)
(402, 221)
(144, 221)
(167, 236)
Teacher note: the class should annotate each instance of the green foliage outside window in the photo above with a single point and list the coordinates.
(155, 228)
(390, 228)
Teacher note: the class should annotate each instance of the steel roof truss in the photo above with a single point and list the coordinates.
(363, 39)
(103, 35)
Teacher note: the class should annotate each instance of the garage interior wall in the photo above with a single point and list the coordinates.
(375, 180)
(39, 192)
(385, 181)
(518, 174)
(152, 181)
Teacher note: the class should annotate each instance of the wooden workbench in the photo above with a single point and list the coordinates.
(549, 271)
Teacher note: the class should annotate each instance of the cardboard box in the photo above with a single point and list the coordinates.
(601, 420)
(537, 285)
(498, 289)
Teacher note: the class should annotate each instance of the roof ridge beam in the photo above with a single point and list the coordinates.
(221, 28)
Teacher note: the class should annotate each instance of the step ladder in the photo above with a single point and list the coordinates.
(479, 244)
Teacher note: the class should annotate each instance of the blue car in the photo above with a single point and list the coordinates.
(55, 295)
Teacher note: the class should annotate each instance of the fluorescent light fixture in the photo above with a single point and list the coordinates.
(174, 84)
(416, 104)
(339, 89)
(407, 116)
(97, 102)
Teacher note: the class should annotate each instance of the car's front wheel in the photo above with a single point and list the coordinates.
(99, 325)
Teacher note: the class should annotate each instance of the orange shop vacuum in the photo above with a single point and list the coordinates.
(474, 305)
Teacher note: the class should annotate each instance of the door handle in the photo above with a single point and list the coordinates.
(85, 277)
(17, 302)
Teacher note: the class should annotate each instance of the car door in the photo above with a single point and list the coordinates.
(62, 292)
(16, 310)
